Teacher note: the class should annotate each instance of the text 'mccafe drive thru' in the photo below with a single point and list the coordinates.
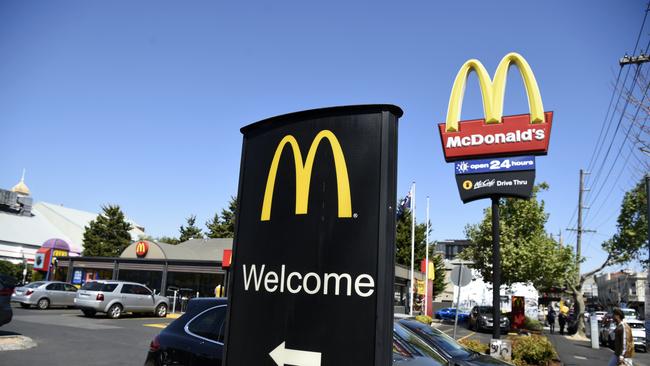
(313, 262)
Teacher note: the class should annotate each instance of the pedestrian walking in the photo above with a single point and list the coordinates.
(562, 318)
(550, 317)
(623, 341)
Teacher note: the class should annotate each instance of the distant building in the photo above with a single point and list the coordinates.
(452, 248)
(622, 288)
(25, 225)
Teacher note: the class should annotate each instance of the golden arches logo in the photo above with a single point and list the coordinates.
(493, 90)
(303, 175)
(141, 248)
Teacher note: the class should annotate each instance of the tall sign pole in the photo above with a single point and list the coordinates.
(426, 265)
(412, 248)
(647, 289)
(494, 157)
(496, 270)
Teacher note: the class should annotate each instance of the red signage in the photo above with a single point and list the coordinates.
(141, 249)
(227, 258)
(514, 136)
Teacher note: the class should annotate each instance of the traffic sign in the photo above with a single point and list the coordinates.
(314, 244)
(461, 276)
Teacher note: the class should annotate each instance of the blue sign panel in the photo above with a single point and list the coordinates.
(495, 165)
(76, 276)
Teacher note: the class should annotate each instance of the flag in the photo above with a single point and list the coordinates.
(405, 203)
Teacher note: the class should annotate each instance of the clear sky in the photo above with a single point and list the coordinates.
(139, 103)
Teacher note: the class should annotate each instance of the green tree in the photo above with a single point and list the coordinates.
(627, 244)
(107, 235)
(403, 238)
(167, 240)
(191, 231)
(528, 253)
(439, 281)
(10, 269)
(223, 226)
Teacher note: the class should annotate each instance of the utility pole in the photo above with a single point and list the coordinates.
(579, 229)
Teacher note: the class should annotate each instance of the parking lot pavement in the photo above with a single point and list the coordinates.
(66, 337)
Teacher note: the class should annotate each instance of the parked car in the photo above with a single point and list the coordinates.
(196, 338)
(638, 332)
(117, 297)
(7, 284)
(44, 294)
(630, 314)
(480, 318)
(450, 314)
(453, 352)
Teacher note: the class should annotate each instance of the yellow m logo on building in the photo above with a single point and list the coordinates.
(493, 90)
(303, 175)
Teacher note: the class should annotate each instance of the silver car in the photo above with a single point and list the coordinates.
(44, 294)
(117, 297)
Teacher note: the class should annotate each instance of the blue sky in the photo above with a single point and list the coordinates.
(140, 103)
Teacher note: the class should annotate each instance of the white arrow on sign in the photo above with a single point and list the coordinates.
(285, 356)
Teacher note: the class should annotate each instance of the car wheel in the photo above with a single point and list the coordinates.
(114, 311)
(161, 310)
(43, 303)
(25, 306)
(88, 313)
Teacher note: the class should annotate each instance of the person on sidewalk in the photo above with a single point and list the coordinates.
(562, 318)
(550, 317)
(623, 341)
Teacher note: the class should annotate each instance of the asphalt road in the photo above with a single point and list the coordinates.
(66, 337)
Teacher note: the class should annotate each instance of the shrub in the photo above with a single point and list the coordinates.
(474, 345)
(533, 350)
(532, 324)
(424, 319)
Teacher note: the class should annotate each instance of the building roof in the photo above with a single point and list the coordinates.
(49, 221)
(193, 249)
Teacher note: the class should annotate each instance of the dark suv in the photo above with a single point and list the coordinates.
(196, 338)
(480, 318)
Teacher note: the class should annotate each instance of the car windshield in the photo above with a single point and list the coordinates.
(414, 343)
(440, 340)
(485, 309)
(629, 313)
(34, 284)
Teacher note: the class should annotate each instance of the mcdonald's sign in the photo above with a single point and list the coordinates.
(315, 238)
(495, 134)
(303, 174)
(141, 249)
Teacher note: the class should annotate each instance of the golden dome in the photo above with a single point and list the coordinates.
(21, 187)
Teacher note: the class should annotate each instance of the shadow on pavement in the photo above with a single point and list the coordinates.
(8, 333)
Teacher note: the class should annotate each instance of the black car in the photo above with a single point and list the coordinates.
(453, 352)
(480, 318)
(196, 338)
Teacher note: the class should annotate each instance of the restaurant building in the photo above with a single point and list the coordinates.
(195, 267)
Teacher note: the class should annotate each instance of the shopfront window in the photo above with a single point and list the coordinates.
(191, 283)
(151, 279)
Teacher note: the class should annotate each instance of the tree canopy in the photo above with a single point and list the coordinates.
(107, 235)
(403, 248)
(223, 226)
(528, 253)
(191, 231)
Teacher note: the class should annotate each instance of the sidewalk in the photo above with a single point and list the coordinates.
(580, 353)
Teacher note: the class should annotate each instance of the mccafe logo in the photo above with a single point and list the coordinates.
(303, 175)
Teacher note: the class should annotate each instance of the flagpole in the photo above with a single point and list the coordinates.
(412, 246)
(426, 264)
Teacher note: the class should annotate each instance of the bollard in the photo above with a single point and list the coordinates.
(174, 305)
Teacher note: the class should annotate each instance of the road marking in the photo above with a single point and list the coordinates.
(283, 356)
(467, 336)
(173, 315)
(156, 325)
(580, 357)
